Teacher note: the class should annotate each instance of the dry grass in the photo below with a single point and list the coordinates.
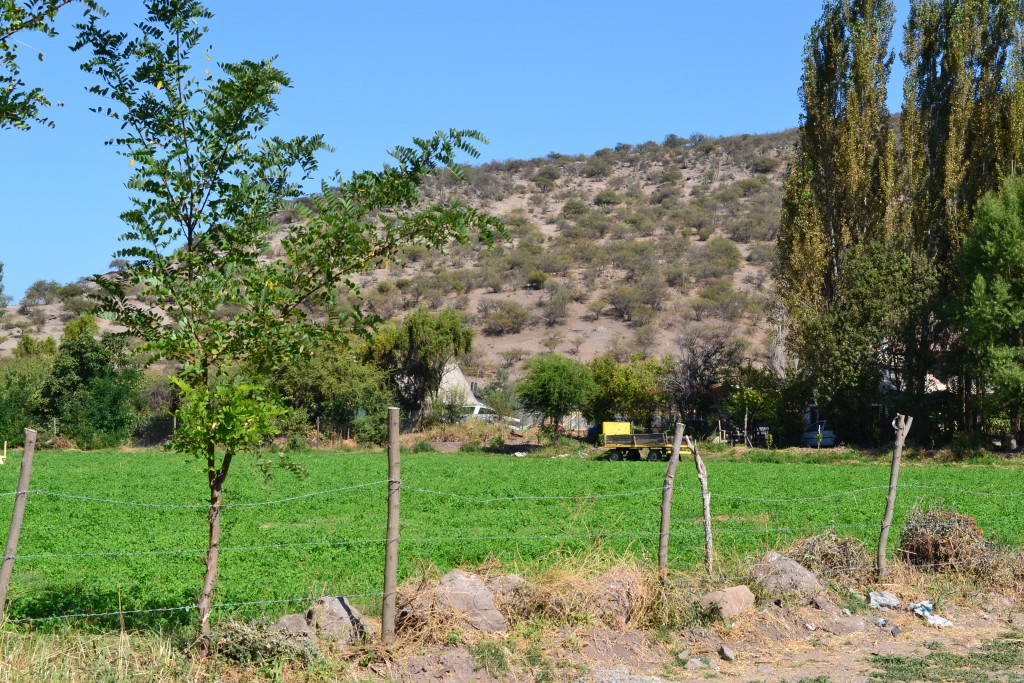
(831, 556)
(942, 539)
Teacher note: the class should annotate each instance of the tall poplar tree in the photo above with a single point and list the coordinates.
(841, 187)
(962, 131)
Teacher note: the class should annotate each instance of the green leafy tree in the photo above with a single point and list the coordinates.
(415, 352)
(202, 291)
(991, 263)
(20, 106)
(554, 386)
(634, 390)
(21, 381)
(338, 392)
(92, 390)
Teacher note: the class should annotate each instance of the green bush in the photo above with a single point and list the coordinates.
(608, 198)
(536, 279)
(765, 164)
(498, 317)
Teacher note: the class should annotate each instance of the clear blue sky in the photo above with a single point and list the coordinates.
(535, 77)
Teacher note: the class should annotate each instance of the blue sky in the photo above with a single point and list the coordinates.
(535, 77)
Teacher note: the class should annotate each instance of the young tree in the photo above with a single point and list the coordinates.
(20, 106)
(553, 386)
(201, 291)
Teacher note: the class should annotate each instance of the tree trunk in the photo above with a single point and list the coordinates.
(216, 478)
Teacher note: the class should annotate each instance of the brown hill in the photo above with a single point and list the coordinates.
(621, 251)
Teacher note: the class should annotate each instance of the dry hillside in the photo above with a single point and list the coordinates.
(621, 251)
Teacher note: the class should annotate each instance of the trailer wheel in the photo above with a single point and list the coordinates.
(633, 454)
(615, 455)
(654, 455)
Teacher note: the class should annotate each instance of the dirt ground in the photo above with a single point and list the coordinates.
(772, 643)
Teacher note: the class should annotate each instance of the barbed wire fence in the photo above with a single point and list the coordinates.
(682, 539)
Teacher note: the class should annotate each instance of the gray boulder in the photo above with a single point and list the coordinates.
(729, 602)
(786, 577)
(336, 619)
(467, 594)
(296, 625)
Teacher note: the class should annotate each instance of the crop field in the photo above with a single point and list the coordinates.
(86, 551)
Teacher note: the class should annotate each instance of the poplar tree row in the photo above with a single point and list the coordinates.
(877, 209)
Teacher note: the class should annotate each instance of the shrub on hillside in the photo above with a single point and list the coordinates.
(498, 317)
(717, 258)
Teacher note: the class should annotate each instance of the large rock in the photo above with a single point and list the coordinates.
(729, 602)
(844, 626)
(336, 619)
(786, 577)
(467, 594)
(296, 625)
(617, 596)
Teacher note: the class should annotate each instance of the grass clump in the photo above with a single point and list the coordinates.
(244, 643)
(829, 555)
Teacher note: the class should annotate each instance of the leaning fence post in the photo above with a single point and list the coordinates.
(17, 516)
(666, 501)
(391, 547)
(902, 426)
(702, 474)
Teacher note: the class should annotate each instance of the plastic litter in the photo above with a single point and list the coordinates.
(924, 609)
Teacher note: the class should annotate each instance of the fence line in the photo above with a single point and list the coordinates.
(193, 506)
(472, 499)
(582, 496)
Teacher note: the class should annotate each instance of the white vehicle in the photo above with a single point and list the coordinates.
(818, 435)
(486, 414)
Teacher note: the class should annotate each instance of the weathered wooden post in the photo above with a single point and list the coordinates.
(17, 516)
(902, 426)
(702, 475)
(666, 502)
(391, 545)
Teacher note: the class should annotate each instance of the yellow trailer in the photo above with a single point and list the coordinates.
(619, 441)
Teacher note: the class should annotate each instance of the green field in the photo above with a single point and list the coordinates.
(331, 540)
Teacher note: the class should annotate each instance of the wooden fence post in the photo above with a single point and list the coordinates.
(391, 547)
(666, 502)
(16, 517)
(902, 426)
(702, 475)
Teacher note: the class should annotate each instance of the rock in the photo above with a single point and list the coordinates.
(296, 625)
(846, 612)
(882, 623)
(467, 594)
(696, 663)
(729, 602)
(506, 584)
(786, 577)
(811, 627)
(617, 596)
(895, 631)
(727, 653)
(844, 626)
(823, 603)
(683, 656)
(883, 600)
(335, 618)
